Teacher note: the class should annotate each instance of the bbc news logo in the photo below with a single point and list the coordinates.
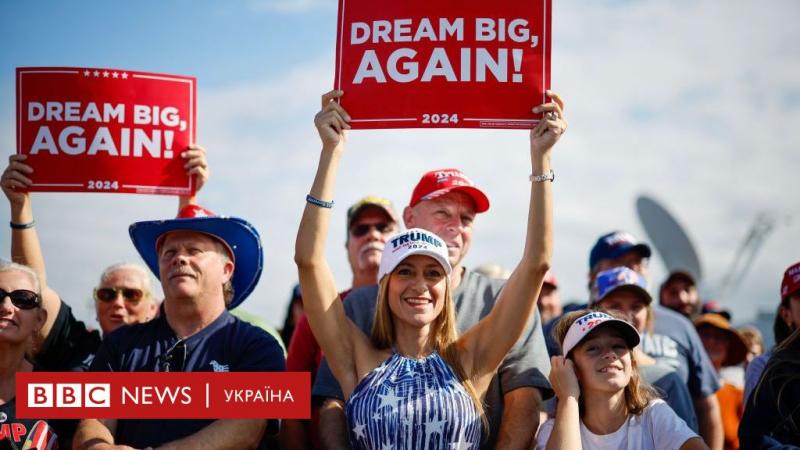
(98, 395)
(164, 395)
(69, 395)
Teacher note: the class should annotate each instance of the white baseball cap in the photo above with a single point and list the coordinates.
(415, 241)
(591, 321)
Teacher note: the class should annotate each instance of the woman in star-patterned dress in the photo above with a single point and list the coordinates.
(414, 383)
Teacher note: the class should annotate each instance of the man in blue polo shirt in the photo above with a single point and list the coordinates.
(207, 265)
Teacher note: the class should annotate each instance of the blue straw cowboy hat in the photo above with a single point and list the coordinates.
(240, 238)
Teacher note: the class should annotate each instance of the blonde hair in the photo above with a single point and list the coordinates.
(34, 342)
(638, 393)
(34, 277)
(443, 338)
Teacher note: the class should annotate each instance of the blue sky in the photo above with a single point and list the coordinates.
(224, 42)
(695, 103)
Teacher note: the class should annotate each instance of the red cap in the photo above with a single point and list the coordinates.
(439, 182)
(192, 211)
(550, 278)
(791, 281)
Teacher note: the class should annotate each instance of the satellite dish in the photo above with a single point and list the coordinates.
(668, 237)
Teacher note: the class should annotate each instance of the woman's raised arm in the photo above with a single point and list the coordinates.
(325, 313)
(25, 246)
(489, 340)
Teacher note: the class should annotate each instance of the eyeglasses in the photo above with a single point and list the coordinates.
(107, 295)
(21, 298)
(364, 228)
(174, 359)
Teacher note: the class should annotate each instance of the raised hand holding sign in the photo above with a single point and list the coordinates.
(106, 130)
(443, 64)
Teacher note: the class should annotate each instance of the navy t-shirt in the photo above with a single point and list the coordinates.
(227, 344)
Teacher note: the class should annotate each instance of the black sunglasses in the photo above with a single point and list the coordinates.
(21, 298)
(174, 359)
(107, 295)
(364, 228)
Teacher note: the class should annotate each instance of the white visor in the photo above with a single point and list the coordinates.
(588, 322)
(415, 241)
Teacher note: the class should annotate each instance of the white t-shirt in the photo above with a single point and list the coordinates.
(657, 428)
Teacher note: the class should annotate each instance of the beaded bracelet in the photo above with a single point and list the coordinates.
(545, 177)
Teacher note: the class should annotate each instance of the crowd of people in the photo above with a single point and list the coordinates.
(419, 351)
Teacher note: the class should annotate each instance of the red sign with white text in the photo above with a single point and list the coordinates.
(164, 395)
(443, 64)
(105, 130)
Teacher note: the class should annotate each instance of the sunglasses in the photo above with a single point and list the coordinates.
(107, 295)
(21, 298)
(364, 228)
(174, 359)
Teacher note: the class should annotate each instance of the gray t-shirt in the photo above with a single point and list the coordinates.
(675, 343)
(526, 365)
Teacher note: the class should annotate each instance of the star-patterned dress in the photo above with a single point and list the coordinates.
(408, 403)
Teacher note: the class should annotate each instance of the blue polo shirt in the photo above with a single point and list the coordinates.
(226, 344)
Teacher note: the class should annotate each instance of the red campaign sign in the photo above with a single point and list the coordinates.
(105, 130)
(443, 64)
(163, 395)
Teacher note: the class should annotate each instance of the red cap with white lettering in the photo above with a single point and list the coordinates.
(439, 182)
(791, 281)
